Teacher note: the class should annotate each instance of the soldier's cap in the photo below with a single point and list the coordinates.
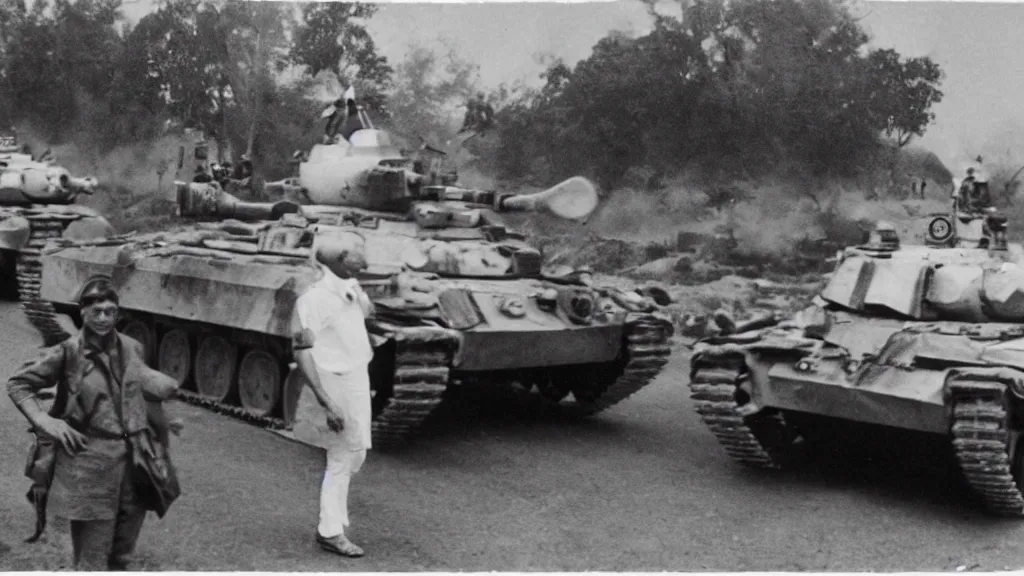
(98, 288)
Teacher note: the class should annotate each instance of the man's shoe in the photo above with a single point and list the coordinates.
(339, 545)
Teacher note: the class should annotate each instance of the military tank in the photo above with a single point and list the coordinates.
(461, 299)
(36, 204)
(928, 339)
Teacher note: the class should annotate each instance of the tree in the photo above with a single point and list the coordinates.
(331, 38)
(256, 48)
(427, 92)
(736, 88)
(902, 93)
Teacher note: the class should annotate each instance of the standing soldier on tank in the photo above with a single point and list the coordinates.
(479, 115)
(973, 195)
(333, 352)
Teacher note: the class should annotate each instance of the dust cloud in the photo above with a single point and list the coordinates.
(126, 174)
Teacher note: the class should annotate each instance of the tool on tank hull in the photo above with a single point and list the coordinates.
(460, 299)
(926, 339)
(36, 204)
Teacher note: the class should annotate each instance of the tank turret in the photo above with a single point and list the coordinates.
(430, 206)
(24, 181)
(37, 204)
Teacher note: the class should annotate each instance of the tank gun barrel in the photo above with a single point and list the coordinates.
(572, 199)
(86, 185)
(202, 200)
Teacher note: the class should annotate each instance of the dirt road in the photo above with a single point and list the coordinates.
(641, 487)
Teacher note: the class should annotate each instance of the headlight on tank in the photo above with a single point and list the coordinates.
(578, 305)
(805, 366)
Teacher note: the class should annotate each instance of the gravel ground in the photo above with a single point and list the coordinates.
(641, 487)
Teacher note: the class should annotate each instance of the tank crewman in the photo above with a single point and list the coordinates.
(974, 194)
(470, 119)
(202, 175)
(479, 115)
(344, 119)
(966, 190)
(243, 170)
(352, 120)
(334, 120)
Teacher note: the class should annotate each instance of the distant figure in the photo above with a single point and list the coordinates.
(973, 195)
(344, 120)
(352, 120)
(334, 121)
(243, 170)
(202, 175)
(479, 115)
(923, 184)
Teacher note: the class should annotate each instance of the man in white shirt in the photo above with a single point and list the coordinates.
(333, 351)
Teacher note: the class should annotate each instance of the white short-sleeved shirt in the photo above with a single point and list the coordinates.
(331, 311)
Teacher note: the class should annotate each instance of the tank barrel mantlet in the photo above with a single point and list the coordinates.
(573, 199)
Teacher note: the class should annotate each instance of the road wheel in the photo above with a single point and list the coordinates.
(259, 382)
(174, 357)
(141, 331)
(216, 360)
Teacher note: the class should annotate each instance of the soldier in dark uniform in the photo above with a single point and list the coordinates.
(345, 120)
(973, 195)
(243, 170)
(202, 176)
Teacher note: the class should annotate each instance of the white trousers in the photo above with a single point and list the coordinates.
(346, 450)
(342, 464)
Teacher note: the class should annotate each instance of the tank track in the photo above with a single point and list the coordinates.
(757, 440)
(237, 412)
(647, 351)
(422, 360)
(422, 366)
(980, 442)
(41, 314)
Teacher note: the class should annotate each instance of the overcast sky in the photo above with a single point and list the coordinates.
(974, 43)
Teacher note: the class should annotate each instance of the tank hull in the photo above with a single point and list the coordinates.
(211, 316)
(24, 231)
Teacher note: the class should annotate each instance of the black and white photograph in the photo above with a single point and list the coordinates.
(511, 286)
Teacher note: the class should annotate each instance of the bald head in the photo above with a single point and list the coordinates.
(343, 254)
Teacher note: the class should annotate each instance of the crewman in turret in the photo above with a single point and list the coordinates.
(343, 117)
(973, 195)
(479, 115)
